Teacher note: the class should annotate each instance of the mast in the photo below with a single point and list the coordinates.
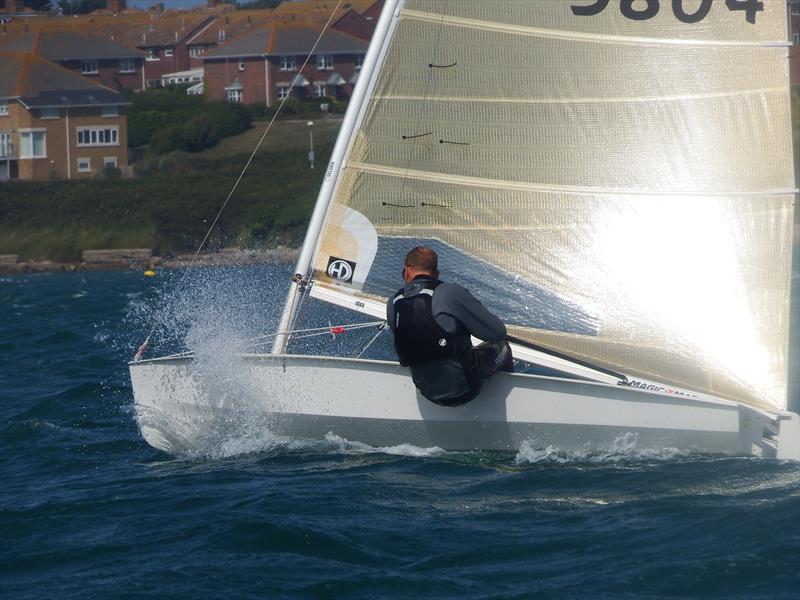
(355, 112)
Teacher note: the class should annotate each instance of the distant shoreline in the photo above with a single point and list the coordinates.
(226, 257)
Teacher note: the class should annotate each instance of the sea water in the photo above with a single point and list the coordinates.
(89, 510)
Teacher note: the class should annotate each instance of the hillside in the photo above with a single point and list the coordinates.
(170, 205)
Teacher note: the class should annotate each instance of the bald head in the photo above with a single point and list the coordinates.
(420, 261)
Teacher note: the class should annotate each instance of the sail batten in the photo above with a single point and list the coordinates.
(587, 100)
(483, 182)
(617, 189)
(578, 36)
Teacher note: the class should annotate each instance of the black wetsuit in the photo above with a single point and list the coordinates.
(444, 366)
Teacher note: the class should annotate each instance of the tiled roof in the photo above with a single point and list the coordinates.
(69, 45)
(39, 82)
(12, 66)
(131, 29)
(321, 7)
(295, 38)
(299, 39)
(163, 31)
(234, 25)
(254, 43)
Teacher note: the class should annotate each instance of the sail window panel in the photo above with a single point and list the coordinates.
(706, 145)
(495, 66)
(720, 23)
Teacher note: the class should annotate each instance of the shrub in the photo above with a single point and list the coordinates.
(168, 120)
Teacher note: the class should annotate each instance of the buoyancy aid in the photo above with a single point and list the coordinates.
(418, 338)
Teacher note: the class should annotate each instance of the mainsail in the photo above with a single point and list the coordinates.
(612, 178)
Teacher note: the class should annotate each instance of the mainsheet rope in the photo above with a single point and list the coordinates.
(143, 347)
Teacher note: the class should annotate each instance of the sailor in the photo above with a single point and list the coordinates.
(432, 322)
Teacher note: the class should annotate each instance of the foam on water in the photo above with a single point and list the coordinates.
(345, 446)
(623, 448)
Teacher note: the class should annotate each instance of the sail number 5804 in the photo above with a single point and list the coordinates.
(641, 10)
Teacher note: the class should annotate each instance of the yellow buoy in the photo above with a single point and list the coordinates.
(149, 273)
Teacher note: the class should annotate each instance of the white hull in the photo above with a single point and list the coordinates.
(180, 406)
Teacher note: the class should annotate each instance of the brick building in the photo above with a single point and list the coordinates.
(161, 37)
(264, 65)
(55, 123)
(222, 30)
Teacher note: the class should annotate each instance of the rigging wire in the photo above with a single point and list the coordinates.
(143, 347)
(334, 330)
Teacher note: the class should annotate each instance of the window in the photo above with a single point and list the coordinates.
(6, 149)
(84, 165)
(287, 63)
(110, 161)
(359, 61)
(32, 144)
(168, 52)
(127, 65)
(196, 51)
(89, 67)
(796, 8)
(97, 136)
(152, 54)
(235, 95)
(221, 35)
(50, 112)
(283, 92)
(241, 64)
(320, 90)
(324, 62)
(3, 107)
(796, 39)
(111, 111)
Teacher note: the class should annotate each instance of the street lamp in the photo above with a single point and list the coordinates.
(311, 143)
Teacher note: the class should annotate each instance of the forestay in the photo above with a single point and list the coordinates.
(613, 178)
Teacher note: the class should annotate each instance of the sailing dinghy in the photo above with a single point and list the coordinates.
(614, 179)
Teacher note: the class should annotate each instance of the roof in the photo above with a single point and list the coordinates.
(321, 7)
(38, 82)
(166, 30)
(234, 25)
(294, 38)
(69, 45)
(133, 29)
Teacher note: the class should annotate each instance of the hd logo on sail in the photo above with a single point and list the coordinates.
(340, 269)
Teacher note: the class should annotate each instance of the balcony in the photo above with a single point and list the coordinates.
(7, 150)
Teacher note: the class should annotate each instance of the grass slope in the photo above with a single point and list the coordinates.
(171, 207)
